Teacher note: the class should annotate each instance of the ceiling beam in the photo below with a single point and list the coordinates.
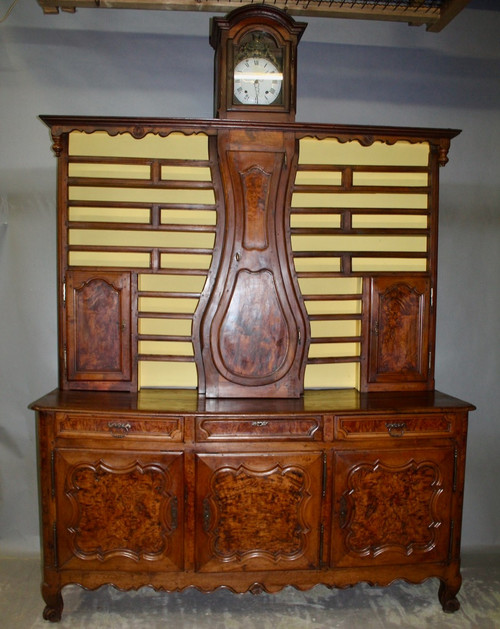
(434, 14)
(448, 12)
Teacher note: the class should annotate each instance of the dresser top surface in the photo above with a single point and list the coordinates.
(187, 401)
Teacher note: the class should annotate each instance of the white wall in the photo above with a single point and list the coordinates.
(115, 62)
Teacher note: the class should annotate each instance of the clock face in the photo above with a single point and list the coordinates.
(257, 81)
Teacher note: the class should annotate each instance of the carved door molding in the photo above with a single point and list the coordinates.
(257, 512)
(392, 506)
(119, 510)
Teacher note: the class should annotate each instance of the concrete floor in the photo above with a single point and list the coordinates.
(401, 605)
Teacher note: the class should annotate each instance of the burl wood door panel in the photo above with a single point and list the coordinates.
(392, 506)
(398, 329)
(257, 512)
(118, 510)
(98, 332)
(254, 330)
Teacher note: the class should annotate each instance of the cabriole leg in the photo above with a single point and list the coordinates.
(448, 591)
(54, 603)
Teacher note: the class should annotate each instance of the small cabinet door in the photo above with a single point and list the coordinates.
(258, 512)
(98, 348)
(397, 328)
(392, 506)
(118, 510)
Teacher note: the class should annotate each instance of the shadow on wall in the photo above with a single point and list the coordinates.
(401, 76)
(114, 61)
(10, 443)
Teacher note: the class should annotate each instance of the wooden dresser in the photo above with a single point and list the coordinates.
(208, 272)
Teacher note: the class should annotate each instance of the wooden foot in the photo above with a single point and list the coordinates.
(448, 595)
(54, 604)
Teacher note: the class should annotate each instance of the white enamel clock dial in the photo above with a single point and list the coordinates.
(257, 81)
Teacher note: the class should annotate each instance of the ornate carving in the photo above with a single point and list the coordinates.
(391, 508)
(256, 589)
(57, 144)
(366, 135)
(255, 184)
(345, 134)
(444, 147)
(138, 132)
(120, 511)
(238, 528)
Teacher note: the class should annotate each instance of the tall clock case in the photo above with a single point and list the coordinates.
(209, 272)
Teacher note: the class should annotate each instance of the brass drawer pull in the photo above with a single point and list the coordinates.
(119, 429)
(396, 429)
(261, 422)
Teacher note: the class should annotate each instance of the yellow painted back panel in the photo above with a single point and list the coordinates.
(166, 302)
(168, 299)
(363, 188)
(331, 151)
(174, 146)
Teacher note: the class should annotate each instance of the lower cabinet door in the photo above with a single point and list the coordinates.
(258, 512)
(392, 506)
(118, 510)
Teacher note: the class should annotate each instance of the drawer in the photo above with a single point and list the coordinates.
(258, 428)
(393, 426)
(119, 427)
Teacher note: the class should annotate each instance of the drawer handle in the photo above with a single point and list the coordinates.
(119, 429)
(396, 429)
(261, 422)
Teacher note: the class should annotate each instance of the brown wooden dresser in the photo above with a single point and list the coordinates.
(246, 351)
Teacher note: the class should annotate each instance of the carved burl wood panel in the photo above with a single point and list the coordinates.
(393, 504)
(255, 329)
(98, 316)
(119, 510)
(257, 512)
